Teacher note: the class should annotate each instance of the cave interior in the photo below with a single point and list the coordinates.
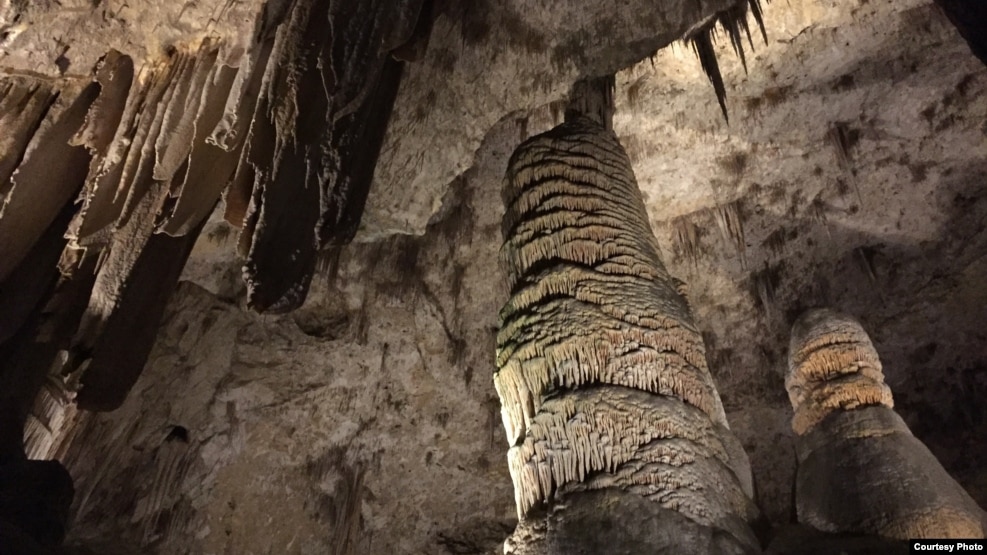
(251, 250)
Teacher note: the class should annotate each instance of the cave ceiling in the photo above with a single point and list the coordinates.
(850, 174)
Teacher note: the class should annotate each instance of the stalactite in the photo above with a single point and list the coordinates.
(817, 213)
(206, 169)
(50, 420)
(37, 206)
(30, 356)
(361, 137)
(50, 174)
(310, 191)
(758, 12)
(30, 282)
(102, 201)
(115, 74)
(232, 132)
(733, 20)
(730, 222)
(23, 104)
(139, 268)
(838, 137)
(290, 129)
(702, 45)
(137, 182)
(114, 353)
(195, 122)
(685, 237)
(765, 282)
(414, 42)
(969, 18)
(865, 259)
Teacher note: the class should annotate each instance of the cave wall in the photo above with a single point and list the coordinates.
(888, 230)
(365, 422)
(850, 174)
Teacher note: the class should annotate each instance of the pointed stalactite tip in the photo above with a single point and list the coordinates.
(758, 12)
(702, 44)
(733, 20)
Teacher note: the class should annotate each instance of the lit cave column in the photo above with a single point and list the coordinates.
(860, 470)
(618, 439)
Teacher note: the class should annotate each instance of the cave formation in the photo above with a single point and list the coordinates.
(252, 280)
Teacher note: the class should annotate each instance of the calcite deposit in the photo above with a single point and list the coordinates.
(138, 144)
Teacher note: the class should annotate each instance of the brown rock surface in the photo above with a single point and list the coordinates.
(851, 175)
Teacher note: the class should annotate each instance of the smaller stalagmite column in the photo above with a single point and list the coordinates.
(860, 469)
(618, 440)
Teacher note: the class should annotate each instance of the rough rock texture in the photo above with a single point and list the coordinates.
(363, 423)
(850, 175)
(67, 37)
(288, 120)
(832, 366)
(895, 235)
(489, 60)
(860, 468)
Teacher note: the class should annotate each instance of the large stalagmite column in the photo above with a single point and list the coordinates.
(618, 439)
(860, 469)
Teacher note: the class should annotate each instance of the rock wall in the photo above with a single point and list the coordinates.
(365, 422)
(851, 175)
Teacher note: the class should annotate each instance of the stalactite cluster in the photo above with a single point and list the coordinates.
(111, 180)
(689, 229)
(601, 373)
(734, 22)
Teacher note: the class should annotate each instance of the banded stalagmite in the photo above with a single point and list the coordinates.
(860, 469)
(618, 439)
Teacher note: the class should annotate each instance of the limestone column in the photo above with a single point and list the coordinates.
(618, 439)
(860, 469)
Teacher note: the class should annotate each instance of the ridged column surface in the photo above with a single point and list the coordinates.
(861, 470)
(602, 374)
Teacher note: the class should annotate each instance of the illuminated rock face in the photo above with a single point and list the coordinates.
(607, 399)
(850, 174)
(832, 366)
(139, 154)
(860, 468)
(274, 111)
